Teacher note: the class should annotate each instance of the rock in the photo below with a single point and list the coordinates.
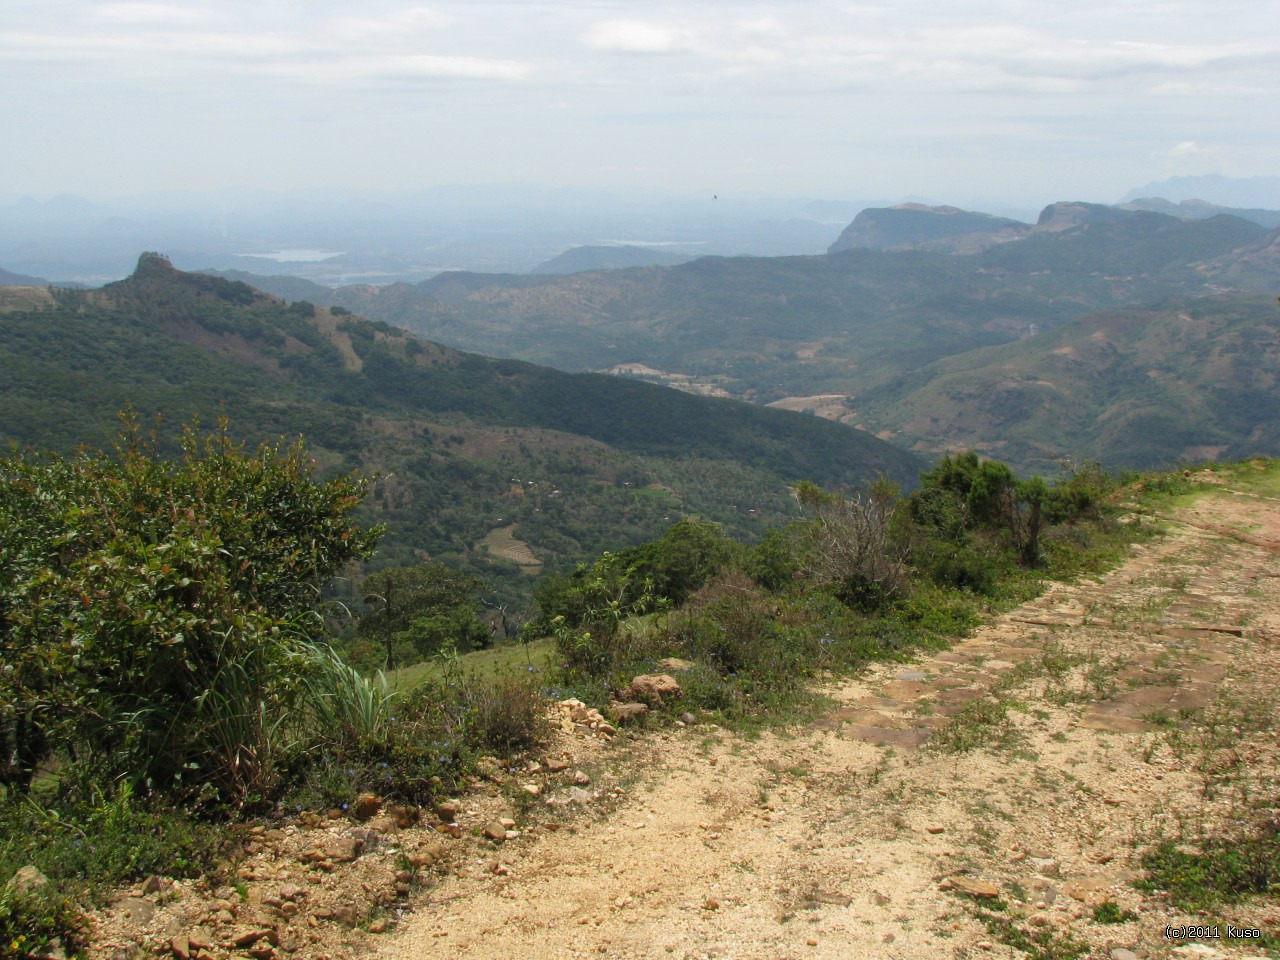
(490, 768)
(404, 816)
(532, 789)
(579, 795)
(1197, 951)
(346, 915)
(156, 885)
(975, 888)
(1046, 867)
(291, 892)
(367, 806)
(138, 911)
(448, 810)
(343, 850)
(581, 779)
(688, 719)
(935, 829)
(495, 831)
(431, 853)
(1091, 891)
(654, 686)
(379, 926)
(368, 839)
(1120, 953)
(675, 665)
(180, 946)
(28, 879)
(711, 904)
(248, 936)
(622, 712)
(556, 766)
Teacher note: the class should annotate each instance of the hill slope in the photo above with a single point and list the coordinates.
(1191, 379)
(466, 445)
(769, 328)
(610, 257)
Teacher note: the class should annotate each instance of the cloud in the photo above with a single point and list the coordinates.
(398, 68)
(635, 36)
(137, 13)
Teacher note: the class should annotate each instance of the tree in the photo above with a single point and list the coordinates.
(423, 609)
(847, 543)
(153, 612)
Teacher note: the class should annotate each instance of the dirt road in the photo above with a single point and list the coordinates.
(1032, 761)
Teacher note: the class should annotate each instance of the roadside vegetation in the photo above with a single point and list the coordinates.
(172, 660)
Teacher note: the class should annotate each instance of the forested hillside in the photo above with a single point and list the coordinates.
(465, 447)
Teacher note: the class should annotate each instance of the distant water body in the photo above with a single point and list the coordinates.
(296, 255)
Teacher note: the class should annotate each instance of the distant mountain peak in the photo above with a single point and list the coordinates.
(916, 226)
(1066, 214)
(151, 264)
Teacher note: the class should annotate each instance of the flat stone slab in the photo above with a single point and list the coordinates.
(906, 689)
(911, 738)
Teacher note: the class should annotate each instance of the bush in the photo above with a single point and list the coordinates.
(847, 545)
(152, 611)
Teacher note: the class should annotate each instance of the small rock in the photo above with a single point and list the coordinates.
(137, 910)
(248, 936)
(495, 831)
(653, 687)
(675, 665)
(622, 712)
(28, 879)
(378, 926)
(556, 766)
(448, 810)
(367, 806)
(156, 885)
(1198, 951)
(343, 849)
(1046, 867)
(711, 904)
(935, 829)
(1120, 953)
(404, 816)
(490, 768)
(975, 888)
(346, 915)
(688, 719)
(291, 892)
(581, 779)
(180, 946)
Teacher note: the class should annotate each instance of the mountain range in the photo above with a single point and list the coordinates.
(860, 335)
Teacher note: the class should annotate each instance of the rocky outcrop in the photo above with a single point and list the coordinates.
(913, 226)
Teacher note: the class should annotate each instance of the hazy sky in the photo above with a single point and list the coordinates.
(1024, 100)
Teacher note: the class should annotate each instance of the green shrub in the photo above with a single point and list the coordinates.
(151, 609)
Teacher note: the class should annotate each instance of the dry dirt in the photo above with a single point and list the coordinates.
(1034, 760)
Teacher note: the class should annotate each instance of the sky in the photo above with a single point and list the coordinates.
(1025, 101)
